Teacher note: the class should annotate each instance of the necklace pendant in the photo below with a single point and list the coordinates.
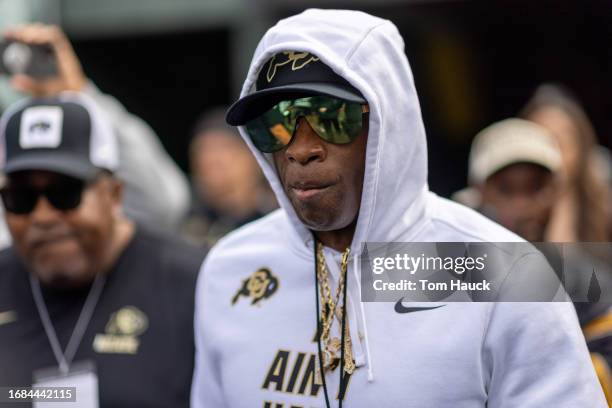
(334, 363)
(327, 359)
(330, 360)
(330, 354)
(334, 345)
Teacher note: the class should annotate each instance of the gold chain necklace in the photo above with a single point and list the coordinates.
(330, 309)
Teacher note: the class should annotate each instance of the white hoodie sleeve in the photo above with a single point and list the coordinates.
(537, 358)
(206, 386)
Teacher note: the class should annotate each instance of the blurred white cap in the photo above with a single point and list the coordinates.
(508, 142)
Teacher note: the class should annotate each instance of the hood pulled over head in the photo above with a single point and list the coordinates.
(368, 52)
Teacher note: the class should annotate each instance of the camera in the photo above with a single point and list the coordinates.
(37, 61)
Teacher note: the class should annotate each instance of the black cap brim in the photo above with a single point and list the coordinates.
(65, 164)
(253, 105)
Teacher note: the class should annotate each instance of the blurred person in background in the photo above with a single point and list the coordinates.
(582, 211)
(229, 189)
(515, 168)
(156, 191)
(86, 295)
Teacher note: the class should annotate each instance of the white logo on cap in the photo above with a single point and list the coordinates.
(41, 127)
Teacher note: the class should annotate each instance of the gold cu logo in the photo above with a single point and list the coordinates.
(122, 331)
(129, 320)
(298, 60)
(260, 285)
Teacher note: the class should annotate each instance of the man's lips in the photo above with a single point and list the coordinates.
(306, 190)
(40, 243)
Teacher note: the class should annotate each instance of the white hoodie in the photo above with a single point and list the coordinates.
(460, 355)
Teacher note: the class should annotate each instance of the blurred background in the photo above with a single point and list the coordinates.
(475, 62)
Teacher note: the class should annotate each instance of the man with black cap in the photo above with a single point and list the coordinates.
(87, 299)
(330, 111)
(155, 192)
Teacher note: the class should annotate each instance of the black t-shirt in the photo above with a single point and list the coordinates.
(140, 335)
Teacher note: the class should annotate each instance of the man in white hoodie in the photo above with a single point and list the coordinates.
(330, 111)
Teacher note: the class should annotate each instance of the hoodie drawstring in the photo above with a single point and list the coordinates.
(357, 274)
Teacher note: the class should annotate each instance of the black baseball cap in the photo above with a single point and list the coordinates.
(64, 134)
(290, 75)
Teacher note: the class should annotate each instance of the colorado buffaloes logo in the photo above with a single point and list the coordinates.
(129, 320)
(298, 61)
(260, 285)
(122, 332)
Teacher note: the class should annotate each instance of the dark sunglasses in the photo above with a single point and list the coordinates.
(64, 194)
(334, 120)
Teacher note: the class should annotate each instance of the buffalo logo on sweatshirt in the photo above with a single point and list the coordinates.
(260, 285)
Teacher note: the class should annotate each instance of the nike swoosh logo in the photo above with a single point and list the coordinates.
(399, 308)
(7, 317)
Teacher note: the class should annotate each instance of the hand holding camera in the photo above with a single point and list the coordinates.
(40, 60)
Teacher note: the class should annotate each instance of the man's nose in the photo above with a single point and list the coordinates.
(306, 146)
(44, 213)
(517, 209)
(522, 204)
